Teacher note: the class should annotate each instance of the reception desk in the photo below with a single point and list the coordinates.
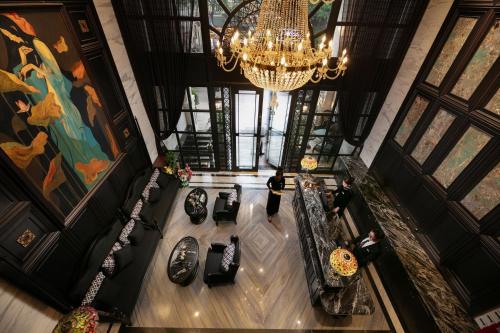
(318, 232)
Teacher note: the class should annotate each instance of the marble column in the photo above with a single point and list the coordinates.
(114, 38)
(425, 35)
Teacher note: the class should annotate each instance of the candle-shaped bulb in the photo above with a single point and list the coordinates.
(269, 45)
(344, 52)
(323, 39)
(245, 56)
(344, 61)
(325, 62)
(283, 60)
(245, 41)
(268, 32)
(300, 46)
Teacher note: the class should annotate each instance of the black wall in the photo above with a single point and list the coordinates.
(466, 249)
(47, 266)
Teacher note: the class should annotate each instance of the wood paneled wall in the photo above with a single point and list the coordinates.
(465, 246)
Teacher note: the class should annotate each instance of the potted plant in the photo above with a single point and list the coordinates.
(185, 175)
(170, 163)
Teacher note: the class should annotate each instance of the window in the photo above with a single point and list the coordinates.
(193, 135)
(410, 121)
(469, 145)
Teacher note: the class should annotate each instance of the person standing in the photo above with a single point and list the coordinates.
(276, 184)
(343, 195)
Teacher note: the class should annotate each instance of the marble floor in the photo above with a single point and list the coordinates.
(270, 290)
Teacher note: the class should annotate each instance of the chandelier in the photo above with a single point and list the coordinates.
(278, 55)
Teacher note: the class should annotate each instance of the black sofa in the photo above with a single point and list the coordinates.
(223, 211)
(213, 273)
(118, 294)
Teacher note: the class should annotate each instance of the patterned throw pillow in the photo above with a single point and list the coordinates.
(147, 188)
(117, 246)
(227, 257)
(137, 209)
(126, 231)
(155, 175)
(108, 265)
(233, 196)
(93, 289)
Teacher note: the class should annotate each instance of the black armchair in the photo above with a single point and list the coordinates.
(223, 211)
(213, 273)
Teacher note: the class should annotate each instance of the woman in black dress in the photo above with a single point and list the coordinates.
(275, 183)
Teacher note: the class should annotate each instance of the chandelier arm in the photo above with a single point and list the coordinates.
(338, 73)
(223, 65)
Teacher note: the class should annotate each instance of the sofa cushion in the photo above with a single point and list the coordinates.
(213, 262)
(127, 229)
(227, 257)
(93, 289)
(154, 194)
(123, 258)
(219, 205)
(146, 214)
(136, 234)
(164, 179)
(105, 299)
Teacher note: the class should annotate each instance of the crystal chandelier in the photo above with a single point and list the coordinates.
(279, 55)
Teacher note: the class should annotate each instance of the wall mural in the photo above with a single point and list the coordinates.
(53, 127)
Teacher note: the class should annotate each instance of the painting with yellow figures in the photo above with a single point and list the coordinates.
(53, 127)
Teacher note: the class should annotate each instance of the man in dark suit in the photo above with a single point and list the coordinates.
(343, 195)
(367, 249)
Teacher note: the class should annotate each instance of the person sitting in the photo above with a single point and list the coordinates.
(367, 249)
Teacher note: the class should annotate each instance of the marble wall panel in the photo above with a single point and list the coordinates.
(484, 196)
(114, 38)
(453, 44)
(427, 31)
(432, 135)
(411, 119)
(479, 65)
(469, 145)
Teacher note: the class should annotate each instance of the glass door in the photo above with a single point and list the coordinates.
(278, 119)
(247, 120)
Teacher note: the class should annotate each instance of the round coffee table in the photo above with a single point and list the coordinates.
(195, 205)
(183, 262)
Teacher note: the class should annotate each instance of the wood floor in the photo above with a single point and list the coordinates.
(270, 291)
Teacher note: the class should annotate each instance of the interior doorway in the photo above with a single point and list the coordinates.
(247, 128)
(278, 121)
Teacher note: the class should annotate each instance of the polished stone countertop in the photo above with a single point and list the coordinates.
(441, 302)
(340, 295)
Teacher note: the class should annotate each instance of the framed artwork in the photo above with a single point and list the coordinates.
(55, 132)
